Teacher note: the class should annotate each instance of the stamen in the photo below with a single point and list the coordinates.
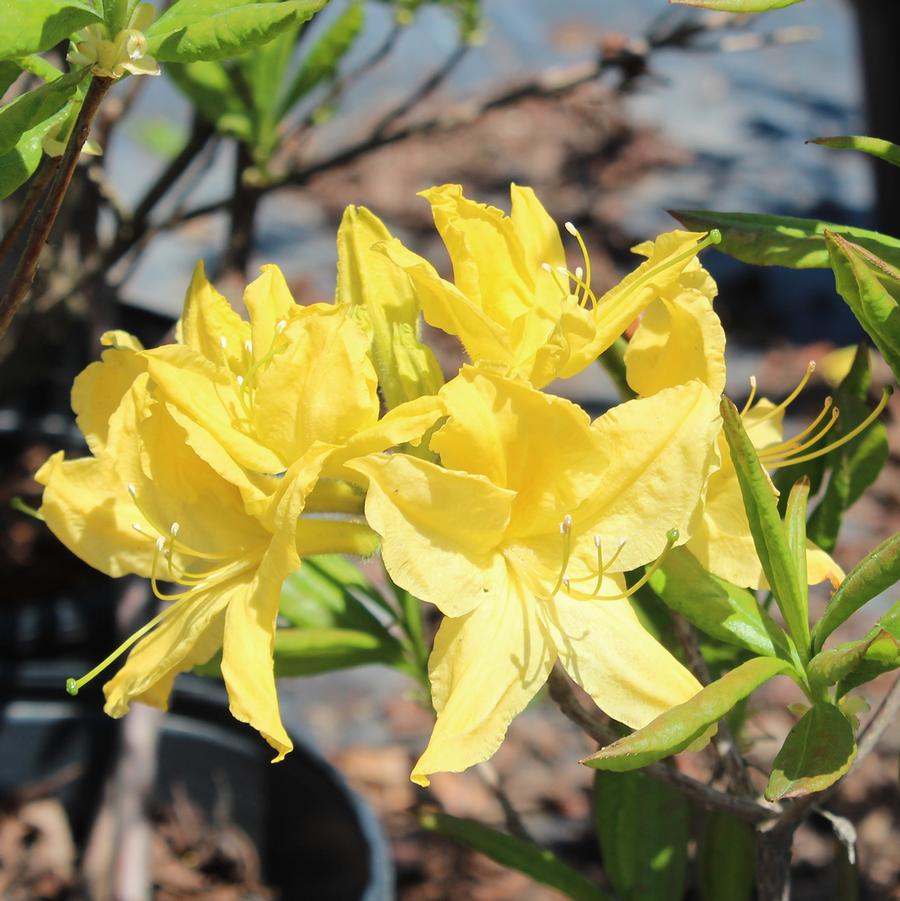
(564, 288)
(790, 461)
(671, 537)
(280, 326)
(73, 686)
(810, 369)
(796, 444)
(565, 529)
(223, 342)
(248, 346)
(570, 228)
(751, 397)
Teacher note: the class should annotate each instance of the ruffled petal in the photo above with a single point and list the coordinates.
(441, 530)
(607, 651)
(485, 668)
(655, 457)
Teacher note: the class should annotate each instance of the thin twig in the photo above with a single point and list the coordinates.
(511, 817)
(703, 795)
(22, 278)
(33, 195)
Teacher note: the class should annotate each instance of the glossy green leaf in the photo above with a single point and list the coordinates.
(883, 150)
(32, 26)
(817, 752)
(717, 607)
(115, 14)
(853, 466)
(215, 29)
(325, 592)
(38, 65)
(523, 856)
(871, 287)
(643, 827)
(769, 534)
(322, 61)
(210, 88)
(683, 725)
(738, 6)
(882, 656)
(305, 652)
(726, 858)
(873, 574)
(831, 666)
(18, 164)
(765, 240)
(29, 110)
(795, 529)
(9, 72)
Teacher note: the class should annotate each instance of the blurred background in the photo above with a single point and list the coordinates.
(615, 112)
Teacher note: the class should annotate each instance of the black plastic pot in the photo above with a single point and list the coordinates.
(316, 839)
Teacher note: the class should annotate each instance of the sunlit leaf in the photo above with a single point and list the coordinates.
(738, 6)
(883, 150)
(817, 752)
(31, 26)
(681, 726)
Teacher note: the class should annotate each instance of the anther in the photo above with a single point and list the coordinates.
(566, 525)
(240, 381)
(570, 228)
(174, 529)
(598, 541)
(248, 346)
(223, 342)
(579, 272)
(132, 489)
(547, 267)
(280, 326)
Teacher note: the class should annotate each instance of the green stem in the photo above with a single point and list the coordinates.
(613, 361)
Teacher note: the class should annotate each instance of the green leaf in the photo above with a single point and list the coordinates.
(854, 466)
(795, 528)
(717, 607)
(211, 89)
(20, 163)
(726, 858)
(884, 150)
(882, 655)
(321, 63)
(306, 652)
(831, 666)
(873, 574)
(324, 592)
(37, 65)
(738, 6)
(870, 286)
(215, 29)
(32, 26)
(523, 856)
(782, 240)
(29, 110)
(9, 72)
(817, 752)
(115, 14)
(681, 726)
(768, 531)
(643, 827)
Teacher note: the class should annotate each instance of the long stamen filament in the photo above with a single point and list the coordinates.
(789, 448)
(671, 537)
(776, 449)
(565, 529)
(843, 439)
(73, 686)
(570, 228)
(750, 397)
(810, 369)
(586, 294)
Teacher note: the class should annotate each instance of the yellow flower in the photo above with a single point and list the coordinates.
(126, 52)
(520, 539)
(146, 503)
(514, 304)
(205, 456)
(383, 300)
(255, 395)
(680, 338)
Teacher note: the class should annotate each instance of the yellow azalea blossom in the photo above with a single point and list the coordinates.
(680, 338)
(384, 302)
(514, 304)
(126, 52)
(146, 503)
(255, 395)
(520, 538)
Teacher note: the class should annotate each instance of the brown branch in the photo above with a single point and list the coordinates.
(595, 725)
(22, 278)
(32, 197)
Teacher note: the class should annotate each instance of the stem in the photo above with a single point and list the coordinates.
(245, 199)
(597, 727)
(35, 190)
(22, 278)
(613, 362)
(773, 864)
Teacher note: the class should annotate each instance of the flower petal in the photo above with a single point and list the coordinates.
(441, 529)
(269, 301)
(655, 456)
(485, 668)
(607, 651)
(680, 338)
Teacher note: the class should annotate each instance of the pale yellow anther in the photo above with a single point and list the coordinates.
(566, 525)
(223, 342)
(132, 489)
(280, 326)
(174, 529)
